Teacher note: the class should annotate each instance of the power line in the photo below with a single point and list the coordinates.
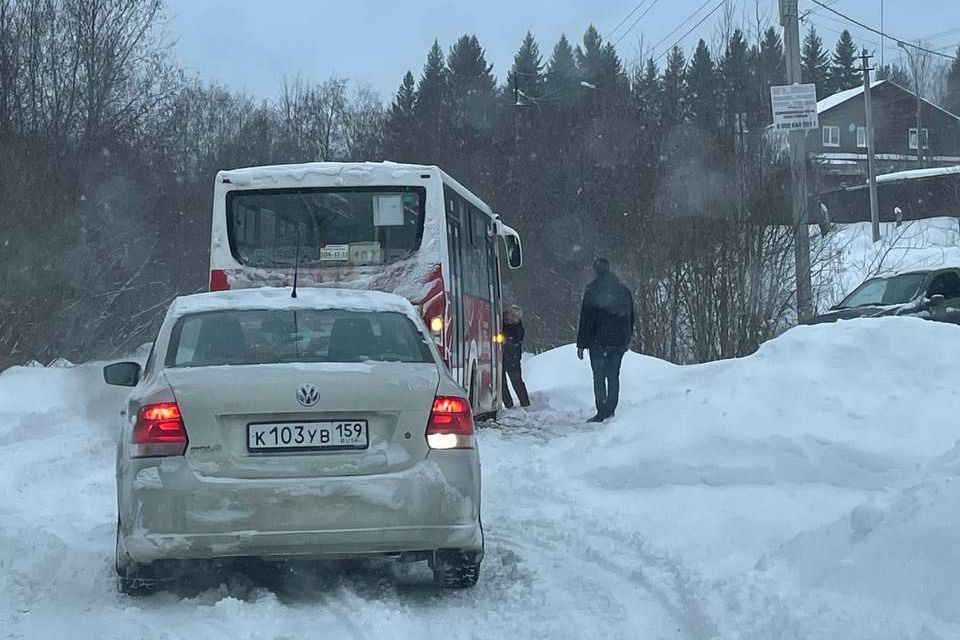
(636, 22)
(692, 29)
(881, 33)
(681, 25)
(621, 23)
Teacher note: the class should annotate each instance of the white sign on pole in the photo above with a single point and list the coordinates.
(794, 107)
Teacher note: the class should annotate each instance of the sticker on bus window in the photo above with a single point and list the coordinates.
(334, 252)
(388, 211)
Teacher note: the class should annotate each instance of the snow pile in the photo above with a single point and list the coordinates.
(830, 404)
(722, 464)
(899, 548)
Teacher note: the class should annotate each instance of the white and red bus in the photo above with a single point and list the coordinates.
(406, 229)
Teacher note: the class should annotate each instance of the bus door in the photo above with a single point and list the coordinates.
(456, 295)
(496, 311)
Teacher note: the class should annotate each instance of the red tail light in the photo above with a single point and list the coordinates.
(218, 280)
(451, 424)
(159, 431)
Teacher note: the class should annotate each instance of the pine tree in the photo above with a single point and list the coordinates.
(430, 106)
(844, 73)
(736, 78)
(646, 92)
(673, 109)
(951, 101)
(814, 62)
(702, 90)
(771, 70)
(563, 75)
(471, 84)
(473, 110)
(526, 75)
(772, 66)
(401, 134)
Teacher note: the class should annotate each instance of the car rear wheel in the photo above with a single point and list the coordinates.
(454, 570)
(133, 578)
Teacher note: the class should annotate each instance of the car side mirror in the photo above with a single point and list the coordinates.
(122, 374)
(937, 300)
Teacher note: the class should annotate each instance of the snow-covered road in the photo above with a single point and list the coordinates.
(810, 490)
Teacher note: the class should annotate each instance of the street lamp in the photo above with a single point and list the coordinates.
(916, 90)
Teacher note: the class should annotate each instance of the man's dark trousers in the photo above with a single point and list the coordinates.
(605, 362)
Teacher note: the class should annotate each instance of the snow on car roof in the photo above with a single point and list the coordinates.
(279, 298)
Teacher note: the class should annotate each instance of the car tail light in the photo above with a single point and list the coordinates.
(159, 431)
(218, 280)
(451, 424)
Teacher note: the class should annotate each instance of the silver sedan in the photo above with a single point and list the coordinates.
(322, 426)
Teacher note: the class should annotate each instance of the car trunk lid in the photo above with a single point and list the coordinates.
(218, 405)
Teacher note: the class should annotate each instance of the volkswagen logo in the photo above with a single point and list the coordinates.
(308, 395)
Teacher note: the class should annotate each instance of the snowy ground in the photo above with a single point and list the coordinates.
(809, 491)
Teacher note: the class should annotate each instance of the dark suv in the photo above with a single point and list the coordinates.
(933, 294)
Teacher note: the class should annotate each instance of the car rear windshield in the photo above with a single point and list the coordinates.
(883, 291)
(278, 336)
(326, 227)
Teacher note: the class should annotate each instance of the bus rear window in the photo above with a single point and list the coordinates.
(333, 227)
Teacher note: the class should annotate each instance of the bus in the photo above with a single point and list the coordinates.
(400, 228)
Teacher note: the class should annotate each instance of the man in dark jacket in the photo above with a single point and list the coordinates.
(606, 330)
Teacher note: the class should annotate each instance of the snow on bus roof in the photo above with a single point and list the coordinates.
(271, 175)
(279, 298)
(351, 173)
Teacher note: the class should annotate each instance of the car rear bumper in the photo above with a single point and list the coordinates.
(167, 511)
(341, 543)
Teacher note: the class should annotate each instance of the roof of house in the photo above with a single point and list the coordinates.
(839, 98)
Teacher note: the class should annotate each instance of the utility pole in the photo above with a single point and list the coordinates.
(790, 19)
(871, 168)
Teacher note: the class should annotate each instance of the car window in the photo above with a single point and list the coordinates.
(946, 285)
(276, 336)
(885, 291)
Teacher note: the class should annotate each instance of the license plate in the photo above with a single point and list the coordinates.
(300, 436)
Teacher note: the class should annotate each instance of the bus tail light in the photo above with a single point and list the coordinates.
(218, 280)
(159, 431)
(451, 424)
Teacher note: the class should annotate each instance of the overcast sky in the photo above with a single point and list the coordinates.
(252, 44)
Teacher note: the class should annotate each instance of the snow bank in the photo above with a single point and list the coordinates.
(724, 463)
(834, 404)
(901, 547)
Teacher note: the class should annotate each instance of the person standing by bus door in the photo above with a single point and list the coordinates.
(606, 330)
(512, 354)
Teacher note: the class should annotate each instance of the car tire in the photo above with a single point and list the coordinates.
(133, 578)
(456, 570)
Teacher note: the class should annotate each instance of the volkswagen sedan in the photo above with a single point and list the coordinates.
(322, 426)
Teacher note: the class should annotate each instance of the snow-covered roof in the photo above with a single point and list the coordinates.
(279, 298)
(839, 98)
(918, 174)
